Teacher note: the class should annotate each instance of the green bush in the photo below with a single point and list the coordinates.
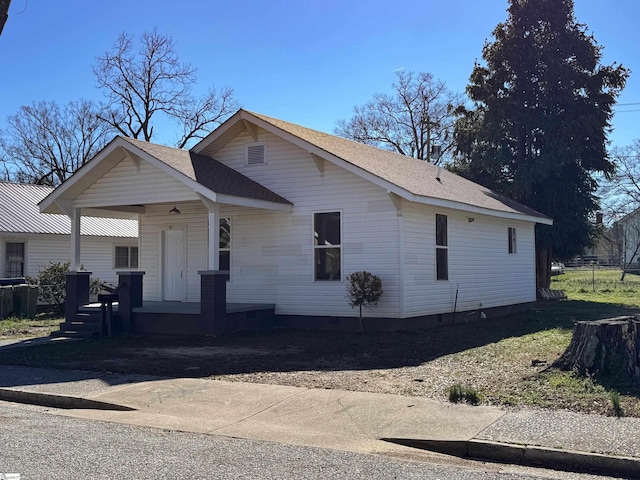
(52, 285)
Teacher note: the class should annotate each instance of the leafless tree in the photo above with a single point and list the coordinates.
(418, 115)
(621, 203)
(44, 143)
(142, 85)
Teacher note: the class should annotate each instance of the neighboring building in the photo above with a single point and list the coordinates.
(30, 240)
(290, 212)
(626, 234)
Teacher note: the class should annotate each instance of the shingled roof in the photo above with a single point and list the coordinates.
(208, 172)
(19, 213)
(418, 177)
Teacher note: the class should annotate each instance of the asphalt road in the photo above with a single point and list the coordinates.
(39, 444)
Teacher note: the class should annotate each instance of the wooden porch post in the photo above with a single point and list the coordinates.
(76, 213)
(214, 236)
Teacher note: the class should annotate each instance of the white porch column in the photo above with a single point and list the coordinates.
(75, 239)
(214, 236)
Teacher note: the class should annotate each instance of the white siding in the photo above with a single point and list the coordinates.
(127, 185)
(193, 221)
(480, 267)
(272, 252)
(97, 254)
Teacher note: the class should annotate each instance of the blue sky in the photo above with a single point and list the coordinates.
(309, 61)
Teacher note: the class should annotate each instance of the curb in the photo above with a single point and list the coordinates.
(58, 401)
(528, 455)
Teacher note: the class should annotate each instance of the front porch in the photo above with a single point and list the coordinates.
(126, 311)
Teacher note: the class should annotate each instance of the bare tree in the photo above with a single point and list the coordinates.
(417, 116)
(44, 143)
(143, 84)
(620, 195)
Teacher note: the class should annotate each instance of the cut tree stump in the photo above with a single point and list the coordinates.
(608, 347)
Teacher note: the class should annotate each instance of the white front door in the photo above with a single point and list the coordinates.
(173, 271)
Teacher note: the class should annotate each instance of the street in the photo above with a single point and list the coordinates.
(36, 443)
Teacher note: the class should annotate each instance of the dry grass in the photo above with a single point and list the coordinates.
(41, 325)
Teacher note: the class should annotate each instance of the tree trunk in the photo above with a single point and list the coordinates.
(543, 267)
(609, 347)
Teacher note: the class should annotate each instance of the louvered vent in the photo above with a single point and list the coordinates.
(255, 154)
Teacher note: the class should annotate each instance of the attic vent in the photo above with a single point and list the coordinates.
(255, 153)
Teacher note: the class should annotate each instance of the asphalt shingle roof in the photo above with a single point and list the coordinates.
(415, 176)
(19, 213)
(208, 172)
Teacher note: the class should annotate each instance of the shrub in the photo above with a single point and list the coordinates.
(52, 285)
(363, 289)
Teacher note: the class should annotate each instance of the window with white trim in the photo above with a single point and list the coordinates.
(327, 246)
(442, 248)
(512, 240)
(224, 246)
(14, 259)
(126, 257)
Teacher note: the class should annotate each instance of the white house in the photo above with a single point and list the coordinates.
(30, 240)
(290, 212)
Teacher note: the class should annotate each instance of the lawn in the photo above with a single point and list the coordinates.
(507, 361)
(43, 324)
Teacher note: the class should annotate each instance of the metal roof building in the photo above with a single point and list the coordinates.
(19, 213)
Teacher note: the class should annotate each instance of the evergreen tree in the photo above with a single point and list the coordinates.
(538, 130)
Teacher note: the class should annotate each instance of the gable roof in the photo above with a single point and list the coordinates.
(208, 172)
(209, 179)
(410, 178)
(19, 213)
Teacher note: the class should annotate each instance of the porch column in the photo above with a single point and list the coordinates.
(76, 213)
(214, 236)
(213, 300)
(129, 296)
(77, 293)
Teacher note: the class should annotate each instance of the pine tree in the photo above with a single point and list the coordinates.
(538, 130)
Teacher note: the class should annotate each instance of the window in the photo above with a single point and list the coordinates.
(442, 248)
(14, 264)
(224, 247)
(126, 257)
(327, 246)
(512, 240)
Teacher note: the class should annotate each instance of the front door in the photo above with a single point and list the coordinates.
(173, 271)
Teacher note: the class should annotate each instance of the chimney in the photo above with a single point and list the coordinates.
(598, 218)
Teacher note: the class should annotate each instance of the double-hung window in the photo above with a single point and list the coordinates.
(14, 259)
(126, 257)
(442, 248)
(327, 246)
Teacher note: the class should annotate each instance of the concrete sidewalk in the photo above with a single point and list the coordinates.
(338, 419)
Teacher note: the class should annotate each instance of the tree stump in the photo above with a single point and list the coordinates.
(609, 347)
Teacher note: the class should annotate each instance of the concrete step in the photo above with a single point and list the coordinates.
(80, 326)
(75, 334)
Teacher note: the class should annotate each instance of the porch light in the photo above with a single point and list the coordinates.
(174, 210)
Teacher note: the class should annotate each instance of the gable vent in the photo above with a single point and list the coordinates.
(255, 154)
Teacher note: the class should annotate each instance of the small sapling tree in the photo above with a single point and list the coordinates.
(363, 288)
